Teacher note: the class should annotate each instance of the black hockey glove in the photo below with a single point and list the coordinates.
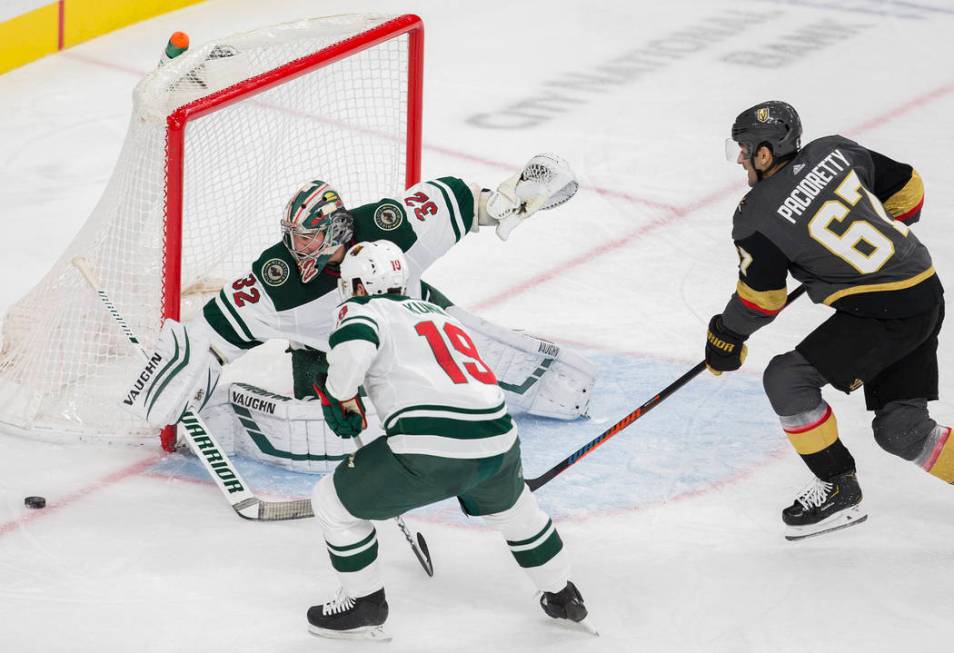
(346, 418)
(725, 349)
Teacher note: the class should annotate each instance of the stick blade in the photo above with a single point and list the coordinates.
(257, 510)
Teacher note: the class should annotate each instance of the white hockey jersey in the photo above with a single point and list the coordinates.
(422, 371)
(272, 302)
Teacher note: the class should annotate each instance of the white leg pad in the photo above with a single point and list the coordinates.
(537, 376)
(280, 430)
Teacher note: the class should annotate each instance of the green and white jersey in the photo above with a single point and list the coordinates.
(421, 369)
(271, 301)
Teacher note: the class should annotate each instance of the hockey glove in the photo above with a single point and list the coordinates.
(725, 349)
(346, 418)
(546, 181)
(181, 372)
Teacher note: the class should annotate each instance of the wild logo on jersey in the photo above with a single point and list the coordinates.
(275, 272)
(388, 217)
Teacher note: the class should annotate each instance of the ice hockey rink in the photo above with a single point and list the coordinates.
(674, 525)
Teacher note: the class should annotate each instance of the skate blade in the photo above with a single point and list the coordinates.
(585, 626)
(845, 519)
(374, 633)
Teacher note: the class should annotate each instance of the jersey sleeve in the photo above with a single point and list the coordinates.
(425, 222)
(240, 317)
(760, 293)
(354, 346)
(899, 187)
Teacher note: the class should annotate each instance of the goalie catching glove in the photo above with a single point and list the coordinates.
(346, 418)
(180, 374)
(546, 181)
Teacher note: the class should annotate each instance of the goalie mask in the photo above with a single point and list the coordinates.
(316, 223)
(379, 265)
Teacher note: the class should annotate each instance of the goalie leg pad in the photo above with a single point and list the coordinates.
(180, 373)
(537, 376)
(279, 430)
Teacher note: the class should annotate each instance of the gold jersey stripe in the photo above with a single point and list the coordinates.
(880, 287)
(769, 300)
(907, 198)
(816, 438)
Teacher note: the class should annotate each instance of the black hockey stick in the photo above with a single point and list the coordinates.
(421, 552)
(579, 454)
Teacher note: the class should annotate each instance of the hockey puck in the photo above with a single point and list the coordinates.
(35, 502)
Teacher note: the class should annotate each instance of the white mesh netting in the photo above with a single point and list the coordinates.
(65, 364)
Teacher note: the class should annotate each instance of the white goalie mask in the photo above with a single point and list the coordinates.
(379, 265)
(315, 224)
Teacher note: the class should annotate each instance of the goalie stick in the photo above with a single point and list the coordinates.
(217, 463)
(589, 447)
(204, 444)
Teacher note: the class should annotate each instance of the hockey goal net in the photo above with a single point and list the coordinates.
(219, 139)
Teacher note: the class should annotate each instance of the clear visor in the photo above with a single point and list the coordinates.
(734, 150)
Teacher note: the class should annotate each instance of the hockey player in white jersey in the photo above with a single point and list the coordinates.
(448, 434)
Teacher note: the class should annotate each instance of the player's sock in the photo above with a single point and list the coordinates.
(814, 435)
(938, 456)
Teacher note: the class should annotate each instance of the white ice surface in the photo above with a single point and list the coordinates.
(125, 558)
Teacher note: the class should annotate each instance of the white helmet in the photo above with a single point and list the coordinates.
(379, 265)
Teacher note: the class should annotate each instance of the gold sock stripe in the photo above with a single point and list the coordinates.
(941, 463)
(814, 437)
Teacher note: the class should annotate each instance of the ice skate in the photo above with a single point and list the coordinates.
(567, 604)
(824, 507)
(347, 618)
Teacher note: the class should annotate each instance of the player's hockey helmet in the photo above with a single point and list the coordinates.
(315, 210)
(379, 265)
(773, 123)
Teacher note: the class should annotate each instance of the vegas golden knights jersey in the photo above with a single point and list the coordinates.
(837, 218)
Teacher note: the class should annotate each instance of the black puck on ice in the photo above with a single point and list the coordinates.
(35, 502)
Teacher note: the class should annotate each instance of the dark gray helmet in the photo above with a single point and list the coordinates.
(771, 123)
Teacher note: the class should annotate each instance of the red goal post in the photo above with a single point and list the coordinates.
(218, 140)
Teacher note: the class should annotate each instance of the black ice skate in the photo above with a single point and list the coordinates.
(824, 507)
(567, 604)
(348, 618)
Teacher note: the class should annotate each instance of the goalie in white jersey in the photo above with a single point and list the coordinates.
(289, 294)
(447, 434)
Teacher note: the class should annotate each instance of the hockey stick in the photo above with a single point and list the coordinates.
(204, 444)
(419, 548)
(586, 449)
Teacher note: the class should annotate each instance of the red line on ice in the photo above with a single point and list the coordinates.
(55, 504)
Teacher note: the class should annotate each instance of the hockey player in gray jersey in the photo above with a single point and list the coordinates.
(836, 216)
(447, 434)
